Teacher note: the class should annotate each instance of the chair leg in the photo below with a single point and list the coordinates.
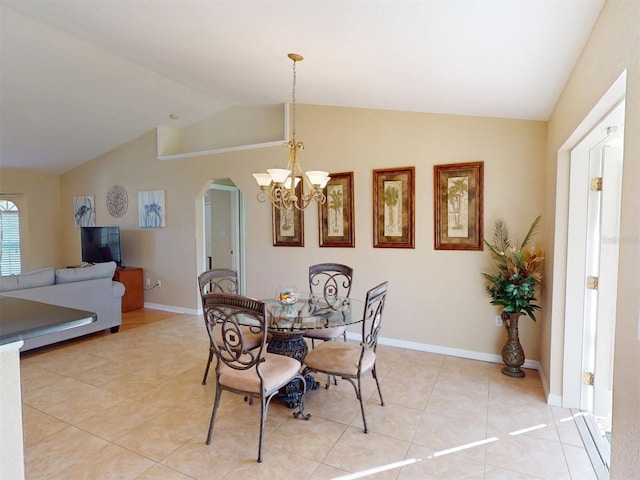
(359, 395)
(263, 417)
(375, 377)
(216, 404)
(206, 372)
(335, 379)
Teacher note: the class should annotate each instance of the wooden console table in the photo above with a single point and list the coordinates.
(131, 278)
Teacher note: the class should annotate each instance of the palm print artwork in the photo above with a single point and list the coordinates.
(335, 205)
(392, 206)
(458, 207)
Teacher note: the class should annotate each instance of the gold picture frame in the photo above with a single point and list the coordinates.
(393, 207)
(458, 204)
(336, 213)
(288, 225)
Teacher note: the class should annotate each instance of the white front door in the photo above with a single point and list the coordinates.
(603, 233)
(592, 274)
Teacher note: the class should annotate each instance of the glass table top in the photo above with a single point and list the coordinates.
(312, 312)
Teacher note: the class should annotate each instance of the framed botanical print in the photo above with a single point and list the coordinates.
(336, 213)
(393, 207)
(458, 204)
(288, 225)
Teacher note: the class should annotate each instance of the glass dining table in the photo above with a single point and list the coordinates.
(288, 322)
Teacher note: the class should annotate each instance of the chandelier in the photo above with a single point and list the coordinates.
(278, 185)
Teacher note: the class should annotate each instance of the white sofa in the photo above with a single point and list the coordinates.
(88, 288)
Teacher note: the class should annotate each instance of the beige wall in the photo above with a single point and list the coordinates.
(437, 297)
(613, 46)
(38, 199)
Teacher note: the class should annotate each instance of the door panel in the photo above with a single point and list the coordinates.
(592, 251)
(608, 278)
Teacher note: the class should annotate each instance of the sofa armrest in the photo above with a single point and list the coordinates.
(117, 289)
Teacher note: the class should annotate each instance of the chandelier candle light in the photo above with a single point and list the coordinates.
(279, 184)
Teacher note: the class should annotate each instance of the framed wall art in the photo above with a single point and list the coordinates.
(151, 209)
(393, 207)
(288, 225)
(336, 213)
(458, 205)
(84, 211)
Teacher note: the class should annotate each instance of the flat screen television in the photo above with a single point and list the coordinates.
(100, 244)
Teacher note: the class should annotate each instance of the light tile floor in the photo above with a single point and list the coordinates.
(131, 405)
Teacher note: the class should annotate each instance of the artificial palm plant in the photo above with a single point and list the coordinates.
(516, 274)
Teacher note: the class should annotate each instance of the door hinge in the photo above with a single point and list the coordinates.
(596, 184)
(587, 378)
(592, 283)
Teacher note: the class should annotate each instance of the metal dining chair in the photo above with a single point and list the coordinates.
(352, 361)
(331, 283)
(221, 280)
(244, 369)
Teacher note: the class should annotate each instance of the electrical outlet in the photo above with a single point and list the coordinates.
(159, 283)
(498, 321)
(148, 282)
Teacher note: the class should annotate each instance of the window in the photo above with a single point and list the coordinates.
(9, 238)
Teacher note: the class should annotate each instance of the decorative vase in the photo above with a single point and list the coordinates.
(512, 352)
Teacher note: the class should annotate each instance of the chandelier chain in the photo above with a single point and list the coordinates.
(293, 99)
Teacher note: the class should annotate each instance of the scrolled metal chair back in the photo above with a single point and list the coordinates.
(372, 322)
(330, 281)
(229, 313)
(218, 280)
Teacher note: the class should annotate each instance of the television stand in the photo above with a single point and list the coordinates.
(131, 278)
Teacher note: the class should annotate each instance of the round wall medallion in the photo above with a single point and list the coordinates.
(117, 201)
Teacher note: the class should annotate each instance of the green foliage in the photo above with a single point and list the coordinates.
(512, 284)
(391, 195)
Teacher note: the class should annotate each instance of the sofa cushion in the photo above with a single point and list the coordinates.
(99, 270)
(37, 278)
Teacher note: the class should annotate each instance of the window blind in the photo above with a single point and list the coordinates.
(10, 261)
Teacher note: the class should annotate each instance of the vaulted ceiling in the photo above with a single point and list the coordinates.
(81, 77)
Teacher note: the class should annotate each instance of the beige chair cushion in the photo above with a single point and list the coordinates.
(339, 358)
(277, 370)
(251, 340)
(325, 333)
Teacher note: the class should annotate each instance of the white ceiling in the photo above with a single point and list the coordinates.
(81, 77)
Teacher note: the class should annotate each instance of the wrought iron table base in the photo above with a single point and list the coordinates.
(291, 344)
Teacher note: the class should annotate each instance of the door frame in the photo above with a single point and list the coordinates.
(565, 377)
(238, 212)
(580, 339)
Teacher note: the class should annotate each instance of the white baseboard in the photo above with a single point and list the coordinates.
(454, 352)
(554, 400)
(169, 308)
